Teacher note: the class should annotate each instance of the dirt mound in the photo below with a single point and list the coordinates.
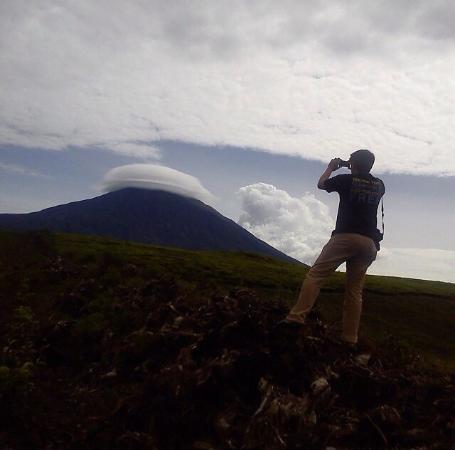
(159, 372)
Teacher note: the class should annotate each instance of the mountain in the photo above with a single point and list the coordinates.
(150, 216)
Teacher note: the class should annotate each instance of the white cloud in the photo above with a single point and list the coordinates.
(151, 176)
(298, 227)
(301, 226)
(315, 79)
(141, 150)
(422, 263)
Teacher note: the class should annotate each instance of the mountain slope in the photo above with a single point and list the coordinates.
(149, 216)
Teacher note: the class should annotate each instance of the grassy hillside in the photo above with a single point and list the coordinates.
(108, 344)
(419, 313)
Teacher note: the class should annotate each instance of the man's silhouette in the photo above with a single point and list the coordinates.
(355, 240)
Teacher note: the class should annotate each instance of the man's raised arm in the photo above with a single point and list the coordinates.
(333, 165)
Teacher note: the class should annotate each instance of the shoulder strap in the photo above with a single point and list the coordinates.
(382, 211)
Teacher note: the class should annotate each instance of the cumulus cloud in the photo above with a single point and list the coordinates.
(304, 78)
(300, 226)
(297, 226)
(152, 176)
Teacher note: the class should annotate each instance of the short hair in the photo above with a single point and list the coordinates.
(363, 160)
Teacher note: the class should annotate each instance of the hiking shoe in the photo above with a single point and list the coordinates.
(349, 347)
(285, 331)
(289, 323)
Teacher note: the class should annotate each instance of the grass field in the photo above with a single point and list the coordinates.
(420, 314)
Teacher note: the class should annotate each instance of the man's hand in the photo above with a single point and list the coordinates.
(334, 164)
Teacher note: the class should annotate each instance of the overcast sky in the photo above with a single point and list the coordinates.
(249, 100)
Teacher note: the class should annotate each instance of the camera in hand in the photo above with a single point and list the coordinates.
(343, 163)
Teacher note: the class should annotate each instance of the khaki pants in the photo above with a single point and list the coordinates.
(359, 252)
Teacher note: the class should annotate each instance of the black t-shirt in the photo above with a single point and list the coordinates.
(360, 195)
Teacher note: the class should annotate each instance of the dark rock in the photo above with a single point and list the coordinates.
(221, 374)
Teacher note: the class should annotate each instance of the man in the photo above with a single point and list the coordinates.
(355, 240)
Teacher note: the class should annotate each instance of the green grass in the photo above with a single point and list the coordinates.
(418, 313)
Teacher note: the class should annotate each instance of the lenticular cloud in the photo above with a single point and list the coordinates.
(298, 227)
(152, 176)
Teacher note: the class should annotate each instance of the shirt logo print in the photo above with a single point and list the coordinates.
(365, 191)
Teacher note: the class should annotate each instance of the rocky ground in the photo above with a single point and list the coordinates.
(156, 371)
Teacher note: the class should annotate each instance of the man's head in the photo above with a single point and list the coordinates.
(362, 161)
